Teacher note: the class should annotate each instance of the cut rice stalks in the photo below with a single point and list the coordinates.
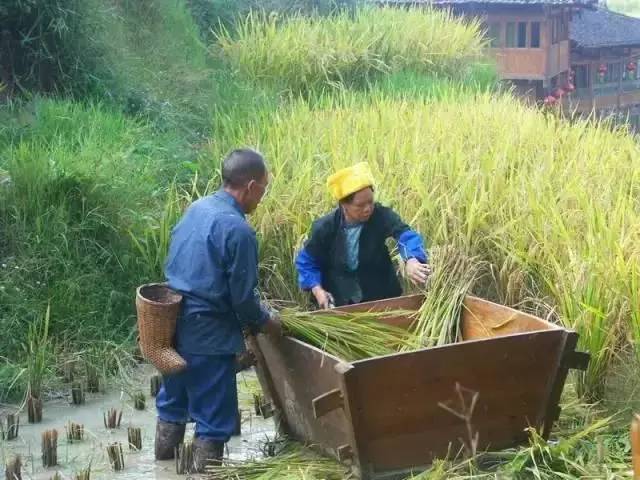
(352, 336)
(358, 335)
(438, 319)
(295, 462)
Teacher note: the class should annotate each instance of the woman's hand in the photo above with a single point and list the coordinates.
(324, 298)
(417, 272)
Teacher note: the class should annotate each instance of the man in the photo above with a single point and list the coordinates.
(213, 263)
(346, 260)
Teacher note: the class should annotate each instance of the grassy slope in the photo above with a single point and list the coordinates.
(84, 174)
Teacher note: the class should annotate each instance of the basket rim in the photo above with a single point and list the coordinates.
(153, 302)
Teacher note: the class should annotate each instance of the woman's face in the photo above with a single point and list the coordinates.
(360, 208)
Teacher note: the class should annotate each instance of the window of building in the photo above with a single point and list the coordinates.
(511, 35)
(582, 76)
(522, 34)
(565, 25)
(559, 29)
(494, 32)
(535, 35)
(614, 71)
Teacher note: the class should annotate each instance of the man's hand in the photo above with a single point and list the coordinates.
(273, 327)
(417, 272)
(323, 297)
(245, 360)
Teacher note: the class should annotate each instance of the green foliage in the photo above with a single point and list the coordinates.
(80, 177)
(45, 44)
(477, 77)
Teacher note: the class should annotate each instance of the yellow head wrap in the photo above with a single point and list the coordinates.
(350, 180)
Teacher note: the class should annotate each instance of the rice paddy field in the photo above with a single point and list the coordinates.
(517, 205)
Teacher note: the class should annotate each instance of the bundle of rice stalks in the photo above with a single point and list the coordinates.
(352, 336)
(293, 463)
(438, 320)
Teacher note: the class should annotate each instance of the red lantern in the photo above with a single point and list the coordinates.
(631, 67)
(602, 70)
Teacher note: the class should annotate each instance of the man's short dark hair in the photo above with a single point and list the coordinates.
(241, 166)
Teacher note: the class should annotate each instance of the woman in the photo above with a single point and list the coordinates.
(345, 260)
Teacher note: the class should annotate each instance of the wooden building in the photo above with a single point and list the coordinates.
(605, 59)
(528, 38)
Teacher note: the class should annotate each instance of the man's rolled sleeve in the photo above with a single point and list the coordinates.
(242, 272)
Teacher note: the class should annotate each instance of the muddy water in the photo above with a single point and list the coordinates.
(73, 457)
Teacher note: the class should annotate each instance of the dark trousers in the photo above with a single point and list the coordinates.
(205, 393)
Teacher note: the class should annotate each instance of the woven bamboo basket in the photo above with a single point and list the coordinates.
(158, 307)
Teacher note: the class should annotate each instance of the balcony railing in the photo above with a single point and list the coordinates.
(607, 89)
(604, 89)
(630, 85)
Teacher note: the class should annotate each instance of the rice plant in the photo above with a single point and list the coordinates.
(38, 364)
(304, 54)
(153, 244)
(531, 201)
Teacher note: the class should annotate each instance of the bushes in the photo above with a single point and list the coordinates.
(45, 45)
(82, 176)
(304, 54)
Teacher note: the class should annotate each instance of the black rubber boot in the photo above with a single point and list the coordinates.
(168, 437)
(206, 452)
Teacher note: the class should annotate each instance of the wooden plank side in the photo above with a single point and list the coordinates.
(359, 469)
(497, 436)
(407, 302)
(484, 319)
(561, 370)
(300, 373)
(266, 382)
(398, 398)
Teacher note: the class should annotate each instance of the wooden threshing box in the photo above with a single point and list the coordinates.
(384, 416)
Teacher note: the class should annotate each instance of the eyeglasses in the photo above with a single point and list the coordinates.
(265, 187)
